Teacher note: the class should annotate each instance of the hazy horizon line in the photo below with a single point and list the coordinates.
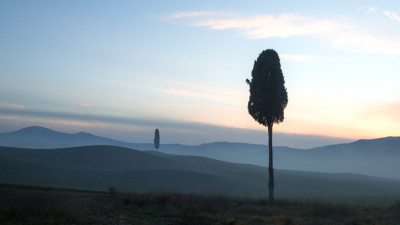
(278, 135)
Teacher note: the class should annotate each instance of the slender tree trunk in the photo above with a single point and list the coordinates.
(270, 166)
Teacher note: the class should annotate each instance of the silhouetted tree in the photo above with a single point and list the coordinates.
(268, 99)
(156, 139)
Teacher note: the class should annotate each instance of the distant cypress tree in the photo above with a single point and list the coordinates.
(268, 99)
(156, 139)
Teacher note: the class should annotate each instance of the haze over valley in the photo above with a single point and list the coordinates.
(40, 156)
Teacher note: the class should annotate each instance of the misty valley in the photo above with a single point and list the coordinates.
(362, 172)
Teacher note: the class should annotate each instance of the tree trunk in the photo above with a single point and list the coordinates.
(270, 166)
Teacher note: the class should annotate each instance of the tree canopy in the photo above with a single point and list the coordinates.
(268, 95)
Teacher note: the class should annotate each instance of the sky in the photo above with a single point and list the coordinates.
(121, 69)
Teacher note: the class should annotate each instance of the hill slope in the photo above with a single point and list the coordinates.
(99, 167)
(376, 157)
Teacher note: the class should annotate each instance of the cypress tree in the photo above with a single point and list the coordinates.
(156, 139)
(268, 99)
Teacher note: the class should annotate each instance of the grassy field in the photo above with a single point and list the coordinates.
(37, 205)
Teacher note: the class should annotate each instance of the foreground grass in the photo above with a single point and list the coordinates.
(35, 205)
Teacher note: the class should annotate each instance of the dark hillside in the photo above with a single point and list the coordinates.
(92, 157)
(23, 172)
(99, 167)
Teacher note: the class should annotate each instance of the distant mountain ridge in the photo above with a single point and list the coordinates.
(40, 137)
(376, 157)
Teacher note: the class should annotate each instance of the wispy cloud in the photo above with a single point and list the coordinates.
(188, 14)
(77, 123)
(13, 106)
(62, 117)
(9, 117)
(368, 10)
(186, 93)
(392, 15)
(195, 90)
(83, 105)
(389, 14)
(371, 9)
(267, 26)
(341, 34)
(224, 96)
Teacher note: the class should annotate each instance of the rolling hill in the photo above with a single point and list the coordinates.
(375, 157)
(99, 167)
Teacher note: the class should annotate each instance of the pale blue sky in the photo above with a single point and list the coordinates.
(123, 68)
